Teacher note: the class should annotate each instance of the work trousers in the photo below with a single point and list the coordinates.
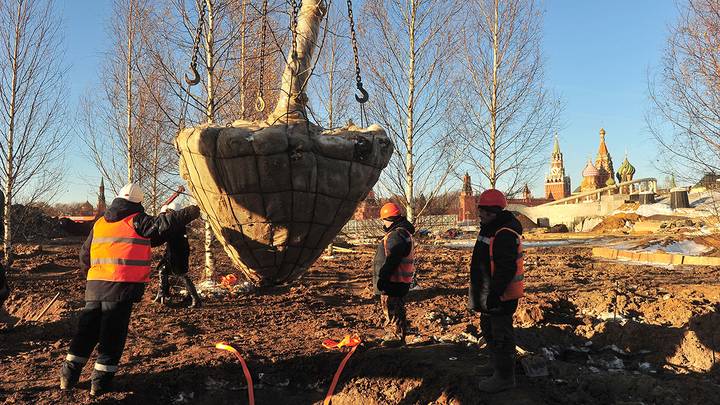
(394, 311)
(104, 324)
(497, 329)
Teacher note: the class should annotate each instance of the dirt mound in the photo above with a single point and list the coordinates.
(31, 224)
(616, 222)
(558, 228)
(526, 222)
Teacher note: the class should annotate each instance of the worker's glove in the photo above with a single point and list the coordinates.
(193, 211)
(492, 304)
(382, 285)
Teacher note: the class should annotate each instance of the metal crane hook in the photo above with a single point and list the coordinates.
(364, 96)
(195, 78)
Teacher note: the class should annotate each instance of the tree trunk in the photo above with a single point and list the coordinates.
(128, 93)
(209, 269)
(493, 101)
(410, 126)
(243, 82)
(293, 100)
(7, 220)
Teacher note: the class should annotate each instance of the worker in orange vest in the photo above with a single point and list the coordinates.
(496, 285)
(116, 258)
(394, 268)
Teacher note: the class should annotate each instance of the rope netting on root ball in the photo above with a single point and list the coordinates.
(277, 192)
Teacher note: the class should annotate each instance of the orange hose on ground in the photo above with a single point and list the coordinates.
(246, 371)
(353, 342)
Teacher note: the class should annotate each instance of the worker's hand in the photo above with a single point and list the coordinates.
(492, 304)
(381, 285)
(194, 211)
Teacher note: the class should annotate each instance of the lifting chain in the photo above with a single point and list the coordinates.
(196, 46)
(363, 97)
(259, 99)
(293, 32)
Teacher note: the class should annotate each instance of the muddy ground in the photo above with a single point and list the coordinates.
(613, 333)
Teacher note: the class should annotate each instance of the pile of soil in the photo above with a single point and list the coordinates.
(610, 332)
(526, 222)
(616, 222)
(31, 224)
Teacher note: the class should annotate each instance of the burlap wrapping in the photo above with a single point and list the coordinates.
(276, 196)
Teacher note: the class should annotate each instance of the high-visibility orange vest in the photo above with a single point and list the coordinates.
(405, 271)
(516, 288)
(118, 253)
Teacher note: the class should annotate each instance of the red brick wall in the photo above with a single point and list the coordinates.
(468, 208)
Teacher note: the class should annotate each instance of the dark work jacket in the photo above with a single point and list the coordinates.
(157, 229)
(177, 252)
(485, 290)
(383, 265)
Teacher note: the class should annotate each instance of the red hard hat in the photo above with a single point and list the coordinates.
(492, 198)
(389, 210)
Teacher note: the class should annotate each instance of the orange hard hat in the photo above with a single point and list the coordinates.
(389, 210)
(492, 198)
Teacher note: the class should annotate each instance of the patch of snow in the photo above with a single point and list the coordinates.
(654, 209)
(684, 247)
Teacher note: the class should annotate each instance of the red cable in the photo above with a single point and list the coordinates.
(336, 377)
(246, 371)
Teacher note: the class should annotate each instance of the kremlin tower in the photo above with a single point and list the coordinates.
(557, 184)
(468, 208)
(604, 164)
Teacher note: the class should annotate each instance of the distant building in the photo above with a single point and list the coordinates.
(709, 181)
(557, 184)
(101, 204)
(625, 172)
(591, 177)
(368, 208)
(604, 164)
(468, 205)
(85, 209)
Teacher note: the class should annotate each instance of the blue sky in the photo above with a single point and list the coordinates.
(597, 57)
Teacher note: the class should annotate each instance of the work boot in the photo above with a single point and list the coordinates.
(100, 382)
(70, 374)
(163, 294)
(504, 376)
(195, 301)
(496, 384)
(486, 369)
(393, 340)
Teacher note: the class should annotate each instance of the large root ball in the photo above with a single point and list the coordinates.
(277, 195)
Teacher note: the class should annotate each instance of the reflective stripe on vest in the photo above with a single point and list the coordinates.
(406, 270)
(118, 253)
(516, 288)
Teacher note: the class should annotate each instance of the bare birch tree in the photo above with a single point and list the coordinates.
(412, 47)
(685, 95)
(508, 114)
(32, 91)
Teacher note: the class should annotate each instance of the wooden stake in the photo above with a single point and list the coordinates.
(37, 318)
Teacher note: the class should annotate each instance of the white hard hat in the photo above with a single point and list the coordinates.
(131, 192)
(173, 206)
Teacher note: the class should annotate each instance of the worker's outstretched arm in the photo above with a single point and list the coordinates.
(158, 228)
